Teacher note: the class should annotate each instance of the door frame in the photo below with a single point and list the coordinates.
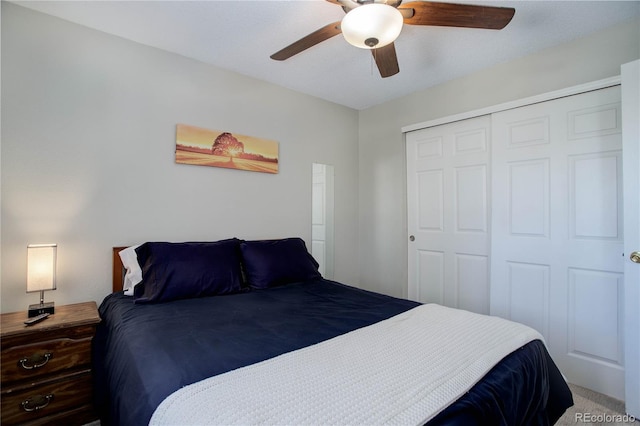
(631, 180)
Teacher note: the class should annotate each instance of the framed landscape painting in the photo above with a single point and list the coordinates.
(215, 148)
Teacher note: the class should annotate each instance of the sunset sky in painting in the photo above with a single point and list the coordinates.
(203, 138)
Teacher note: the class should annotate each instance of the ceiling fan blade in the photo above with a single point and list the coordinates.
(346, 4)
(308, 41)
(386, 60)
(456, 15)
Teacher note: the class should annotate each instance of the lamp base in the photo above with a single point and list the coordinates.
(41, 308)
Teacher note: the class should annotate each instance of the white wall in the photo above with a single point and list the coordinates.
(383, 223)
(88, 138)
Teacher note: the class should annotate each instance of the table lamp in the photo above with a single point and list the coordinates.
(41, 275)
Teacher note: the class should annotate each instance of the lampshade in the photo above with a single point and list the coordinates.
(41, 267)
(372, 25)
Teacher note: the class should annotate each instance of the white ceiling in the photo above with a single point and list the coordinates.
(240, 36)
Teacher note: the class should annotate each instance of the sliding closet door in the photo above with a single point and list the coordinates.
(557, 238)
(448, 217)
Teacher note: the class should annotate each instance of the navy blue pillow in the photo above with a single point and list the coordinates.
(173, 271)
(269, 263)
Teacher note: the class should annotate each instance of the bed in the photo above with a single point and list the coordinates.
(248, 332)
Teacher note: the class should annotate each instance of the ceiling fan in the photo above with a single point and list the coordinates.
(375, 24)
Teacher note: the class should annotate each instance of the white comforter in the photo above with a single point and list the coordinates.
(403, 370)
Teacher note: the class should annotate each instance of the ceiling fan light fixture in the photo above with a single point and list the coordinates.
(372, 25)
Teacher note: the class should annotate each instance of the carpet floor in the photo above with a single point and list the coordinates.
(595, 409)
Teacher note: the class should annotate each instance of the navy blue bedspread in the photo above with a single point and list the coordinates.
(143, 353)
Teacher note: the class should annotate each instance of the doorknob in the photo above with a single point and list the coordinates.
(412, 238)
(635, 257)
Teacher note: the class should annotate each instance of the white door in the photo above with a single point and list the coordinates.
(631, 167)
(557, 236)
(322, 218)
(448, 215)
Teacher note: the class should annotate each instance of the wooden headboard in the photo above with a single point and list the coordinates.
(118, 270)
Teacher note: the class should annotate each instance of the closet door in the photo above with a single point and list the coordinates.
(448, 216)
(557, 241)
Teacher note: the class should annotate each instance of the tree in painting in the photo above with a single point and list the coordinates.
(227, 145)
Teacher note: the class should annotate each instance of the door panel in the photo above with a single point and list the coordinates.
(448, 215)
(557, 234)
(528, 286)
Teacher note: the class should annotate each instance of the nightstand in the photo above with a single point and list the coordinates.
(46, 367)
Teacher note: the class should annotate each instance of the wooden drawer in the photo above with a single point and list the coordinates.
(77, 417)
(35, 402)
(42, 358)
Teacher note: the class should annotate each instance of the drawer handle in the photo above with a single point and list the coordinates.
(36, 403)
(35, 361)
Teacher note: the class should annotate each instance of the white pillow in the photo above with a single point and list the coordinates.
(134, 272)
